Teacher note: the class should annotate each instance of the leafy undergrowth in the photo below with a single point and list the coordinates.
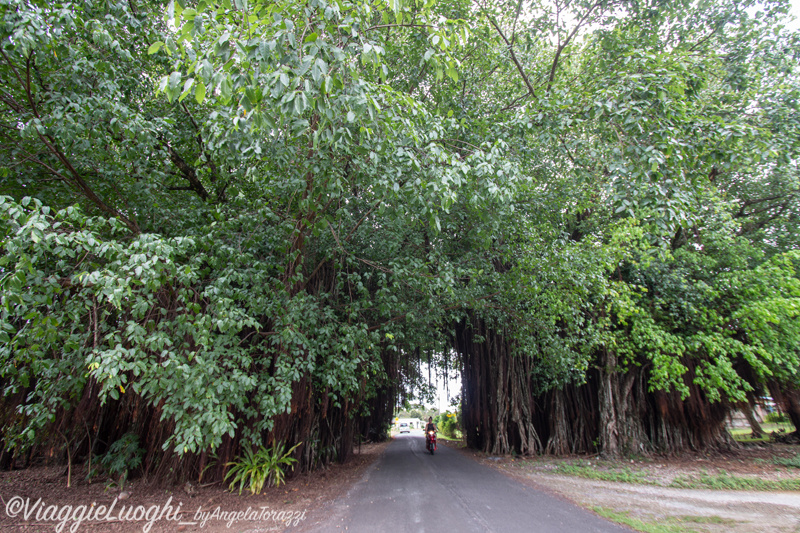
(310, 493)
(672, 524)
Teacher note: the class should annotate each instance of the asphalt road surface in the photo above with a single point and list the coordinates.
(407, 489)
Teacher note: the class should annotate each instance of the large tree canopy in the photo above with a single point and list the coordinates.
(250, 222)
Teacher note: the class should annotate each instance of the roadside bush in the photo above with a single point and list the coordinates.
(448, 424)
(262, 467)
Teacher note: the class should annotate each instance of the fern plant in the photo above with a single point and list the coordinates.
(265, 466)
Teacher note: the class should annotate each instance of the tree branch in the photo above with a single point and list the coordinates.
(513, 56)
(363, 218)
(379, 26)
(77, 180)
(563, 45)
(210, 162)
(188, 173)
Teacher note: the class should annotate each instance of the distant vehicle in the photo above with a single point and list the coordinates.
(404, 428)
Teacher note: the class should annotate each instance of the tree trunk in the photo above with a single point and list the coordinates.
(572, 419)
(789, 401)
(607, 399)
(497, 405)
(755, 427)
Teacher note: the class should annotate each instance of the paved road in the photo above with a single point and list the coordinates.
(408, 490)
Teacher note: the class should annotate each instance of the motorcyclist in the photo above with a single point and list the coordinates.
(430, 426)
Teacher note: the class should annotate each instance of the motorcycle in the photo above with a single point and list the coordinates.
(430, 441)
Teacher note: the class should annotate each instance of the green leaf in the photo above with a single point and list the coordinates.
(174, 80)
(226, 89)
(452, 72)
(300, 102)
(200, 93)
(186, 88)
(162, 84)
(155, 47)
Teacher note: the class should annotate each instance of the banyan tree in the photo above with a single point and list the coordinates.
(232, 224)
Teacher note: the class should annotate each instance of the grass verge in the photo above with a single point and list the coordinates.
(745, 434)
(624, 475)
(701, 480)
(671, 524)
(793, 462)
(725, 481)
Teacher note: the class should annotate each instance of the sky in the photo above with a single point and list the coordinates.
(443, 399)
(796, 12)
(443, 393)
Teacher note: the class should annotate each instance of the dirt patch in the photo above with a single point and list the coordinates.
(641, 488)
(182, 508)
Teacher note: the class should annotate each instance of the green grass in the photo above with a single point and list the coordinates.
(670, 524)
(725, 481)
(705, 520)
(624, 475)
(702, 480)
(744, 434)
(639, 525)
(793, 462)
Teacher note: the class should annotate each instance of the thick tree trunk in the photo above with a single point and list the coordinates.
(612, 412)
(497, 405)
(606, 396)
(755, 427)
(792, 408)
(620, 399)
(789, 401)
(571, 420)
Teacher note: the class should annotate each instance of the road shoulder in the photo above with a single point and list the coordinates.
(649, 505)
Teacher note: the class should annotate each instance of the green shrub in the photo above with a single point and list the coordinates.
(263, 467)
(122, 457)
(448, 424)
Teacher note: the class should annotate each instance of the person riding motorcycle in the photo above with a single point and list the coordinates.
(430, 426)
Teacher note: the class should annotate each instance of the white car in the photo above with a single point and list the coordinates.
(404, 428)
